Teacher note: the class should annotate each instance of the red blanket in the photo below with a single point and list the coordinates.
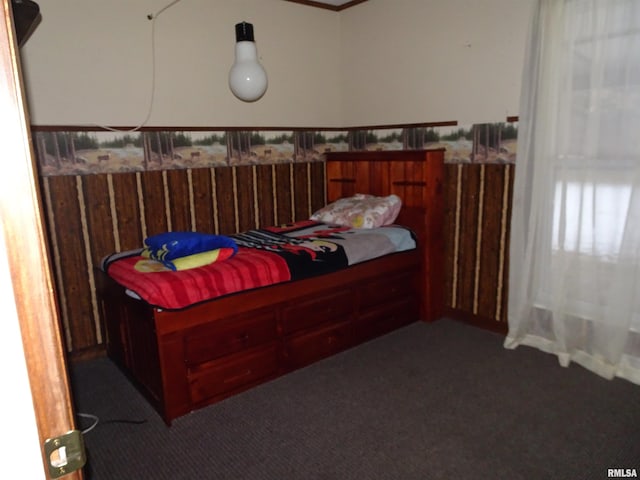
(247, 269)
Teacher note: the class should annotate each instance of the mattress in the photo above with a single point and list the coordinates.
(265, 256)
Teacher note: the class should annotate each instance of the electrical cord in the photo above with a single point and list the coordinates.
(157, 14)
(92, 417)
(96, 420)
(152, 18)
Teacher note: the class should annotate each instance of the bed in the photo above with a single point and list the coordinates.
(196, 354)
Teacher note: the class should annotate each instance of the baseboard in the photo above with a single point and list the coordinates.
(479, 321)
(87, 354)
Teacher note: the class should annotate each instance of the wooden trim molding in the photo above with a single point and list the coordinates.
(477, 320)
(335, 8)
(186, 128)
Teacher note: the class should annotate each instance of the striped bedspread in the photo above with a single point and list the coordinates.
(265, 257)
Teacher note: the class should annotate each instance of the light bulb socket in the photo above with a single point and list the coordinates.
(244, 32)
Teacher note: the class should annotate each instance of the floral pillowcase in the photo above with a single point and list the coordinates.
(360, 211)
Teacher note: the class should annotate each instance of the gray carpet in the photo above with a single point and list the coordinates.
(429, 401)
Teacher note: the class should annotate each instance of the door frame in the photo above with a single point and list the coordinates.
(27, 268)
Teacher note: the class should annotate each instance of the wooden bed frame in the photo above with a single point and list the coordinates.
(184, 360)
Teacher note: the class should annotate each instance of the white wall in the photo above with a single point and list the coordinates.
(89, 61)
(381, 62)
(409, 61)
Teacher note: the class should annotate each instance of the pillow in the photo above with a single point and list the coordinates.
(361, 211)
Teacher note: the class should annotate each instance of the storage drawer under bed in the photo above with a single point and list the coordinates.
(218, 339)
(303, 349)
(230, 374)
(324, 308)
(385, 318)
(386, 290)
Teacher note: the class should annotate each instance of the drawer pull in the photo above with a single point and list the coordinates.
(343, 180)
(244, 338)
(240, 376)
(409, 183)
(331, 339)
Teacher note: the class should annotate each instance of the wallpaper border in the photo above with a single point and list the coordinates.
(69, 150)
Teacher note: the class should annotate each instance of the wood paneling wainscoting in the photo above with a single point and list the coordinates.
(478, 215)
(90, 216)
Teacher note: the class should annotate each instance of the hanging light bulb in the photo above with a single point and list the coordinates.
(247, 78)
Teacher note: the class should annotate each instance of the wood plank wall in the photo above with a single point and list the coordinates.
(477, 219)
(93, 215)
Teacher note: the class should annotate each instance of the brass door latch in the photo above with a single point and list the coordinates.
(65, 454)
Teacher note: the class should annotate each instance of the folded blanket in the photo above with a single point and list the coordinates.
(183, 250)
(184, 263)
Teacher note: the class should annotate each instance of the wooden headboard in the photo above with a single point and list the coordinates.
(416, 176)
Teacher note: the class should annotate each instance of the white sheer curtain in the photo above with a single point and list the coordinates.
(574, 273)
